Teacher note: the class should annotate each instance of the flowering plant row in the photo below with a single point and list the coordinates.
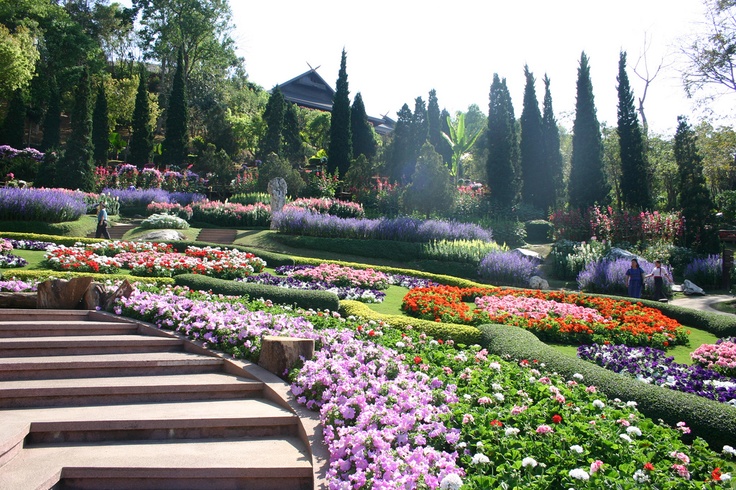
(342, 276)
(127, 175)
(615, 321)
(48, 205)
(720, 356)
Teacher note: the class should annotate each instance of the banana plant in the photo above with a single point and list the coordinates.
(460, 142)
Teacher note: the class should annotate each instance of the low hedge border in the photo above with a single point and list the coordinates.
(42, 275)
(58, 239)
(715, 422)
(317, 300)
(460, 334)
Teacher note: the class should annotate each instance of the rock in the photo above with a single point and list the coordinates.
(620, 253)
(161, 235)
(689, 288)
(94, 296)
(18, 300)
(530, 254)
(536, 282)
(123, 291)
(61, 294)
(279, 354)
(277, 189)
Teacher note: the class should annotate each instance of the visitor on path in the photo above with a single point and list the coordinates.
(659, 273)
(634, 279)
(102, 222)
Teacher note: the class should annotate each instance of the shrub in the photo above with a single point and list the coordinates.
(538, 231)
(174, 209)
(48, 205)
(570, 258)
(508, 231)
(140, 198)
(251, 198)
(164, 221)
(705, 272)
(231, 214)
(609, 276)
(335, 207)
(466, 251)
(508, 268)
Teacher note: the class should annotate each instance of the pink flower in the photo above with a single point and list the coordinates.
(681, 456)
(468, 419)
(590, 389)
(544, 429)
(518, 409)
(595, 466)
(681, 470)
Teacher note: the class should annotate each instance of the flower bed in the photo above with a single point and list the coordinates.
(342, 276)
(77, 259)
(720, 356)
(48, 205)
(231, 214)
(622, 322)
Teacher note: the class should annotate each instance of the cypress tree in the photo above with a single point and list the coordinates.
(15, 121)
(431, 188)
(503, 151)
(445, 149)
(52, 119)
(437, 121)
(341, 151)
(141, 138)
(273, 116)
(76, 168)
(694, 199)
(100, 127)
(176, 141)
(364, 143)
(399, 155)
(552, 155)
(293, 145)
(587, 183)
(419, 129)
(635, 188)
(535, 178)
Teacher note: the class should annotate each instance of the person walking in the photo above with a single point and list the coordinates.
(659, 273)
(634, 279)
(102, 222)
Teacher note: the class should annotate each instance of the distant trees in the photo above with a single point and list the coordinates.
(141, 138)
(52, 118)
(364, 141)
(535, 176)
(502, 167)
(76, 169)
(100, 127)
(273, 117)
(13, 128)
(176, 143)
(431, 188)
(341, 151)
(398, 165)
(554, 191)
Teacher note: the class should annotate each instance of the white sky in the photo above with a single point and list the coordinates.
(399, 50)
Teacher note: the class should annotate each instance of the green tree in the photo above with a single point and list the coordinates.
(273, 116)
(664, 169)
(502, 167)
(535, 176)
(555, 191)
(340, 151)
(100, 127)
(18, 57)
(587, 184)
(76, 168)
(431, 187)
(141, 138)
(635, 175)
(419, 128)
(461, 142)
(718, 149)
(399, 158)
(176, 142)
(694, 199)
(274, 166)
(14, 125)
(52, 118)
(364, 141)
(293, 144)
(438, 125)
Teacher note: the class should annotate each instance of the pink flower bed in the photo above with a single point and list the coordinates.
(536, 308)
(343, 276)
(720, 357)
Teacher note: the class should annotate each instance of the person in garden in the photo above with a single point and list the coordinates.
(102, 222)
(634, 279)
(659, 273)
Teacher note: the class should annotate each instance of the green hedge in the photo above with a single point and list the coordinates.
(59, 240)
(718, 324)
(461, 334)
(715, 422)
(318, 300)
(42, 275)
(539, 231)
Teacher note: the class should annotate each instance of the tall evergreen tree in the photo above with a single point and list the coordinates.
(364, 143)
(273, 116)
(52, 118)
(502, 167)
(431, 187)
(176, 140)
(694, 199)
(635, 176)
(293, 144)
(445, 149)
(552, 155)
(141, 138)
(419, 129)
(535, 177)
(13, 131)
(341, 151)
(100, 127)
(76, 168)
(434, 124)
(400, 151)
(587, 183)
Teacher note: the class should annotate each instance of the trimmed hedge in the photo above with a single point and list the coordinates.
(59, 240)
(461, 334)
(539, 231)
(718, 324)
(42, 275)
(317, 300)
(715, 422)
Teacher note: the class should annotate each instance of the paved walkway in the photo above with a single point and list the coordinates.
(703, 302)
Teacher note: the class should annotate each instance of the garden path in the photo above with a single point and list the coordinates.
(704, 302)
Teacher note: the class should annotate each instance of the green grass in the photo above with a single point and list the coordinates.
(81, 227)
(34, 258)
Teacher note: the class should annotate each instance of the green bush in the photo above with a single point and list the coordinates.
(569, 258)
(468, 251)
(42, 275)
(507, 231)
(715, 422)
(539, 231)
(251, 198)
(164, 221)
(318, 300)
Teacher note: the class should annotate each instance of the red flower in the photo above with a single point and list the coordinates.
(649, 467)
(371, 333)
(417, 360)
(716, 474)
(498, 423)
(440, 341)
(556, 418)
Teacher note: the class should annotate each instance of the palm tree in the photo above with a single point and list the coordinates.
(460, 142)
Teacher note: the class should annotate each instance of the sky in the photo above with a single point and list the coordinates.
(400, 50)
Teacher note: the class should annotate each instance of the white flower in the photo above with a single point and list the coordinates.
(598, 404)
(479, 444)
(729, 450)
(577, 449)
(480, 458)
(579, 474)
(451, 482)
(400, 345)
(462, 445)
(578, 376)
(726, 477)
(495, 365)
(625, 438)
(633, 430)
(640, 476)
(512, 431)
(497, 387)
(631, 404)
(528, 462)
(499, 396)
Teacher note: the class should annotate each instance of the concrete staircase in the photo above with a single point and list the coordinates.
(91, 401)
(217, 235)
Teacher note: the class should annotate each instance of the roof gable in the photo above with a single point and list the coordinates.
(309, 90)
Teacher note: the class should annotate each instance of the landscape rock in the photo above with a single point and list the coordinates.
(530, 254)
(161, 235)
(536, 282)
(62, 294)
(620, 253)
(18, 300)
(94, 296)
(280, 354)
(688, 287)
(123, 291)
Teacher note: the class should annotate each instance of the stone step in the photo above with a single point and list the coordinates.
(217, 235)
(262, 463)
(126, 389)
(45, 328)
(89, 366)
(116, 231)
(86, 345)
(52, 316)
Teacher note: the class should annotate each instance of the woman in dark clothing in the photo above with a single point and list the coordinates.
(634, 279)
(102, 223)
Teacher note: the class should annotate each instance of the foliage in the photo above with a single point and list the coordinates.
(100, 127)
(555, 188)
(251, 198)
(52, 118)
(321, 184)
(245, 181)
(507, 268)
(176, 143)
(470, 251)
(274, 166)
(502, 167)
(13, 127)
(460, 142)
(506, 230)
(536, 178)
(273, 117)
(164, 221)
(340, 151)
(538, 231)
(430, 189)
(705, 272)
(18, 57)
(717, 146)
(141, 139)
(570, 258)
(231, 214)
(399, 164)
(362, 133)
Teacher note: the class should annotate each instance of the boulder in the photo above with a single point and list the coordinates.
(688, 287)
(62, 294)
(123, 291)
(280, 354)
(18, 300)
(620, 253)
(94, 297)
(161, 236)
(536, 282)
(529, 254)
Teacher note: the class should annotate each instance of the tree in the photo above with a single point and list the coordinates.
(694, 199)
(341, 151)
(635, 175)
(273, 116)
(76, 169)
(431, 187)
(14, 125)
(100, 127)
(364, 141)
(461, 141)
(419, 128)
(664, 169)
(437, 126)
(18, 57)
(552, 155)
(398, 162)
(587, 184)
(293, 145)
(176, 141)
(535, 176)
(141, 139)
(52, 118)
(717, 146)
(502, 167)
